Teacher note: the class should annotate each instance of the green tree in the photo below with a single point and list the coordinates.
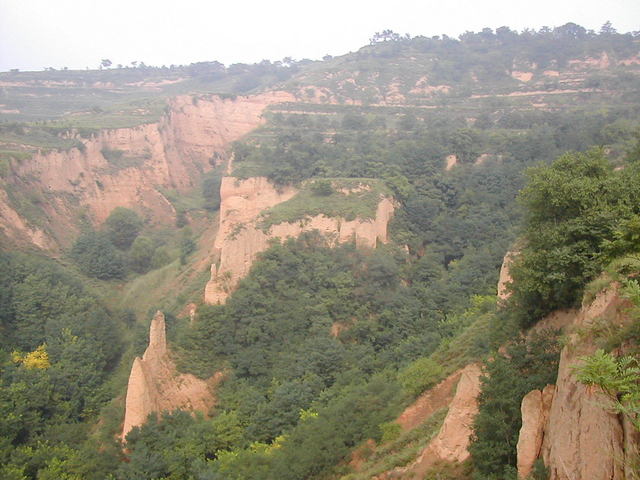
(96, 256)
(187, 246)
(322, 188)
(211, 190)
(573, 208)
(420, 375)
(141, 255)
(527, 365)
(122, 227)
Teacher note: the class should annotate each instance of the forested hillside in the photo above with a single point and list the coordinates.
(493, 142)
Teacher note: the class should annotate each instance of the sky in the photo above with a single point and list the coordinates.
(36, 34)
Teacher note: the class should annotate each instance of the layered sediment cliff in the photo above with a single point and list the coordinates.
(451, 443)
(155, 385)
(570, 428)
(240, 238)
(129, 167)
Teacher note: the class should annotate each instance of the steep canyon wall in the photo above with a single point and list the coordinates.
(129, 167)
(240, 238)
(568, 424)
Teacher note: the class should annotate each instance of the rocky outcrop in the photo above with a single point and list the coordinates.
(240, 239)
(429, 402)
(155, 386)
(505, 277)
(581, 438)
(522, 76)
(535, 413)
(129, 167)
(452, 440)
(451, 161)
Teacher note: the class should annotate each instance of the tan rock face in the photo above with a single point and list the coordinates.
(239, 240)
(170, 154)
(522, 76)
(535, 413)
(581, 439)
(422, 87)
(433, 399)
(452, 441)
(451, 161)
(505, 277)
(155, 386)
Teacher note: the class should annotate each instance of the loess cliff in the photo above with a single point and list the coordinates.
(128, 167)
(452, 441)
(568, 425)
(155, 386)
(240, 238)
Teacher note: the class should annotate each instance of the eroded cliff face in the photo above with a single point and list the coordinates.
(505, 277)
(128, 167)
(451, 443)
(574, 433)
(240, 239)
(429, 402)
(155, 385)
(535, 409)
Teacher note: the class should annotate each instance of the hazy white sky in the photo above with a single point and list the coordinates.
(35, 34)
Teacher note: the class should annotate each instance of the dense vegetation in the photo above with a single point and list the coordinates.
(297, 411)
(580, 214)
(388, 325)
(57, 349)
(119, 248)
(576, 209)
(476, 62)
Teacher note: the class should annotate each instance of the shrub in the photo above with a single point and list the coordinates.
(141, 255)
(211, 191)
(122, 227)
(390, 431)
(322, 188)
(419, 375)
(96, 256)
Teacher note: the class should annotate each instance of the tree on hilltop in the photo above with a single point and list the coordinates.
(385, 36)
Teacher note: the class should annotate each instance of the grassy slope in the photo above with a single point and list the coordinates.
(400, 451)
